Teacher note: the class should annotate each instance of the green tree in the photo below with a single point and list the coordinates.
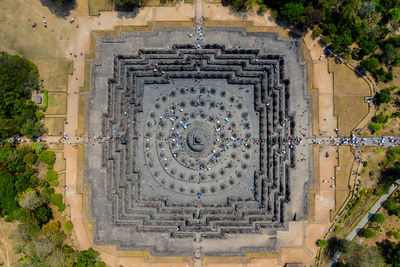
(322, 243)
(68, 225)
(371, 64)
(18, 79)
(391, 252)
(368, 47)
(57, 200)
(381, 118)
(43, 214)
(395, 14)
(61, 2)
(367, 233)
(47, 156)
(383, 96)
(30, 199)
(126, 4)
(87, 258)
(30, 158)
(375, 127)
(390, 204)
(357, 255)
(379, 218)
(291, 12)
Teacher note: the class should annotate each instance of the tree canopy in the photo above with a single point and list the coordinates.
(291, 12)
(18, 79)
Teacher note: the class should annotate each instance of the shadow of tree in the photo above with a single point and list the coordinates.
(61, 11)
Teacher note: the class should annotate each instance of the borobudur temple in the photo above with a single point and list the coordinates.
(197, 144)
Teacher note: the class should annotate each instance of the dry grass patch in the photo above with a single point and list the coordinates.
(59, 164)
(57, 104)
(346, 82)
(349, 92)
(81, 115)
(342, 175)
(56, 146)
(346, 159)
(95, 6)
(350, 110)
(370, 174)
(18, 36)
(54, 126)
(55, 74)
(8, 257)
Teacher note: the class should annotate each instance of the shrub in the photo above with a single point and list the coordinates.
(322, 243)
(379, 218)
(57, 200)
(371, 173)
(371, 64)
(365, 164)
(291, 12)
(396, 235)
(30, 158)
(384, 96)
(51, 175)
(325, 40)
(68, 226)
(47, 156)
(317, 32)
(262, 9)
(367, 233)
(375, 127)
(381, 118)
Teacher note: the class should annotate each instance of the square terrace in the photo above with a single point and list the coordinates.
(197, 144)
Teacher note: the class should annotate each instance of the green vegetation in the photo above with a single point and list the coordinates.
(126, 4)
(354, 254)
(371, 64)
(322, 243)
(291, 12)
(384, 96)
(357, 29)
(51, 177)
(61, 2)
(48, 157)
(57, 200)
(23, 196)
(68, 226)
(379, 218)
(88, 257)
(390, 170)
(391, 252)
(18, 79)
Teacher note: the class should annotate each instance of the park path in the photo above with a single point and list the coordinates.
(361, 224)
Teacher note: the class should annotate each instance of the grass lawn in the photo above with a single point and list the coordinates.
(57, 104)
(95, 6)
(55, 73)
(54, 126)
(59, 164)
(18, 36)
(350, 110)
(81, 116)
(343, 172)
(349, 92)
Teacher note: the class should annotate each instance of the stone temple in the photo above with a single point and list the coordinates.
(199, 145)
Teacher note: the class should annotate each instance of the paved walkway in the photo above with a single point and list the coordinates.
(361, 224)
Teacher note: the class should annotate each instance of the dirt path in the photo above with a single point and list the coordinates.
(4, 248)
